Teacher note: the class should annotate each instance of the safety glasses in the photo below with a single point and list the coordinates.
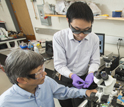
(79, 31)
(39, 74)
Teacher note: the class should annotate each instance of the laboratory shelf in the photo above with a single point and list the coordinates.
(107, 18)
(51, 15)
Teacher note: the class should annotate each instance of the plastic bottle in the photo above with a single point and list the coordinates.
(36, 49)
(30, 45)
(39, 47)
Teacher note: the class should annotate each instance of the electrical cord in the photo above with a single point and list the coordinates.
(118, 47)
(1, 5)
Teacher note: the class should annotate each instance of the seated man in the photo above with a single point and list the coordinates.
(31, 87)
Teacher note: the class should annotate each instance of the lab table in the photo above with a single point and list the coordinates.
(15, 40)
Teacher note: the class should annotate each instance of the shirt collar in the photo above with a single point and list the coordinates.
(71, 37)
(22, 91)
(87, 37)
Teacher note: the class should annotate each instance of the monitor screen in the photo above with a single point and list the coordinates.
(101, 42)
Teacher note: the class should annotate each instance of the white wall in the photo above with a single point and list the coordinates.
(5, 16)
(57, 23)
(109, 27)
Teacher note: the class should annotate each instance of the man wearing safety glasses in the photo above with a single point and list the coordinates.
(76, 51)
(31, 87)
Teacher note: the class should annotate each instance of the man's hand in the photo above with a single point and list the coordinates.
(88, 80)
(77, 81)
(88, 92)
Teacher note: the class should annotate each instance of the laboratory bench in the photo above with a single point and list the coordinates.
(8, 42)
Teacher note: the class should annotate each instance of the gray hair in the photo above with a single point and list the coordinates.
(20, 63)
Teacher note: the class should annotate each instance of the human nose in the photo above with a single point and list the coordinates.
(44, 73)
(81, 35)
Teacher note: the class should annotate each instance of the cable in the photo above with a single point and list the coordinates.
(118, 47)
(1, 5)
(34, 11)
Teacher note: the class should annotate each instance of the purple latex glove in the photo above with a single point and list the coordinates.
(88, 80)
(77, 81)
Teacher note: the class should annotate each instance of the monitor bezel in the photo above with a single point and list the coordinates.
(103, 42)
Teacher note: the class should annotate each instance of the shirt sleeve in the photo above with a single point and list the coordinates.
(60, 60)
(95, 57)
(61, 92)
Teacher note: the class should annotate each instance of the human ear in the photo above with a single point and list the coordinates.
(67, 19)
(22, 80)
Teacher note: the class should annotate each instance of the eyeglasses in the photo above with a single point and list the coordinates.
(79, 31)
(37, 75)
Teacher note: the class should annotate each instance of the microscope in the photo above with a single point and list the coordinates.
(105, 91)
(108, 63)
(105, 84)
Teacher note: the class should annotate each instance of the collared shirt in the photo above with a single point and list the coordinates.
(72, 56)
(44, 94)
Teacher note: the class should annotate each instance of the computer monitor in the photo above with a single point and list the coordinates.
(101, 42)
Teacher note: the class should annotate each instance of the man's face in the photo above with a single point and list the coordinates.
(80, 25)
(39, 76)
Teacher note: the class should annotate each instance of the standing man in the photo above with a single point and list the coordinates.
(76, 51)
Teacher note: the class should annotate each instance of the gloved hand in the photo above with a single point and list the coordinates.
(88, 80)
(77, 81)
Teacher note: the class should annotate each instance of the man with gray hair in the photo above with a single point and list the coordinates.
(31, 87)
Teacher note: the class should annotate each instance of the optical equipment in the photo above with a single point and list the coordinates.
(37, 75)
(79, 31)
(105, 92)
(101, 75)
(105, 84)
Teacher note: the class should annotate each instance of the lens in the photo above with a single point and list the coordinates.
(97, 74)
(79, 31)
(76, 32)
(86, 32)
(38, 76)
(104, 75)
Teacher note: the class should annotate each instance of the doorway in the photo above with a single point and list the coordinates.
(23, 18)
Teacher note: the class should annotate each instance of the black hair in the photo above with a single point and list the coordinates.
(20, 63)
(79, 10)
